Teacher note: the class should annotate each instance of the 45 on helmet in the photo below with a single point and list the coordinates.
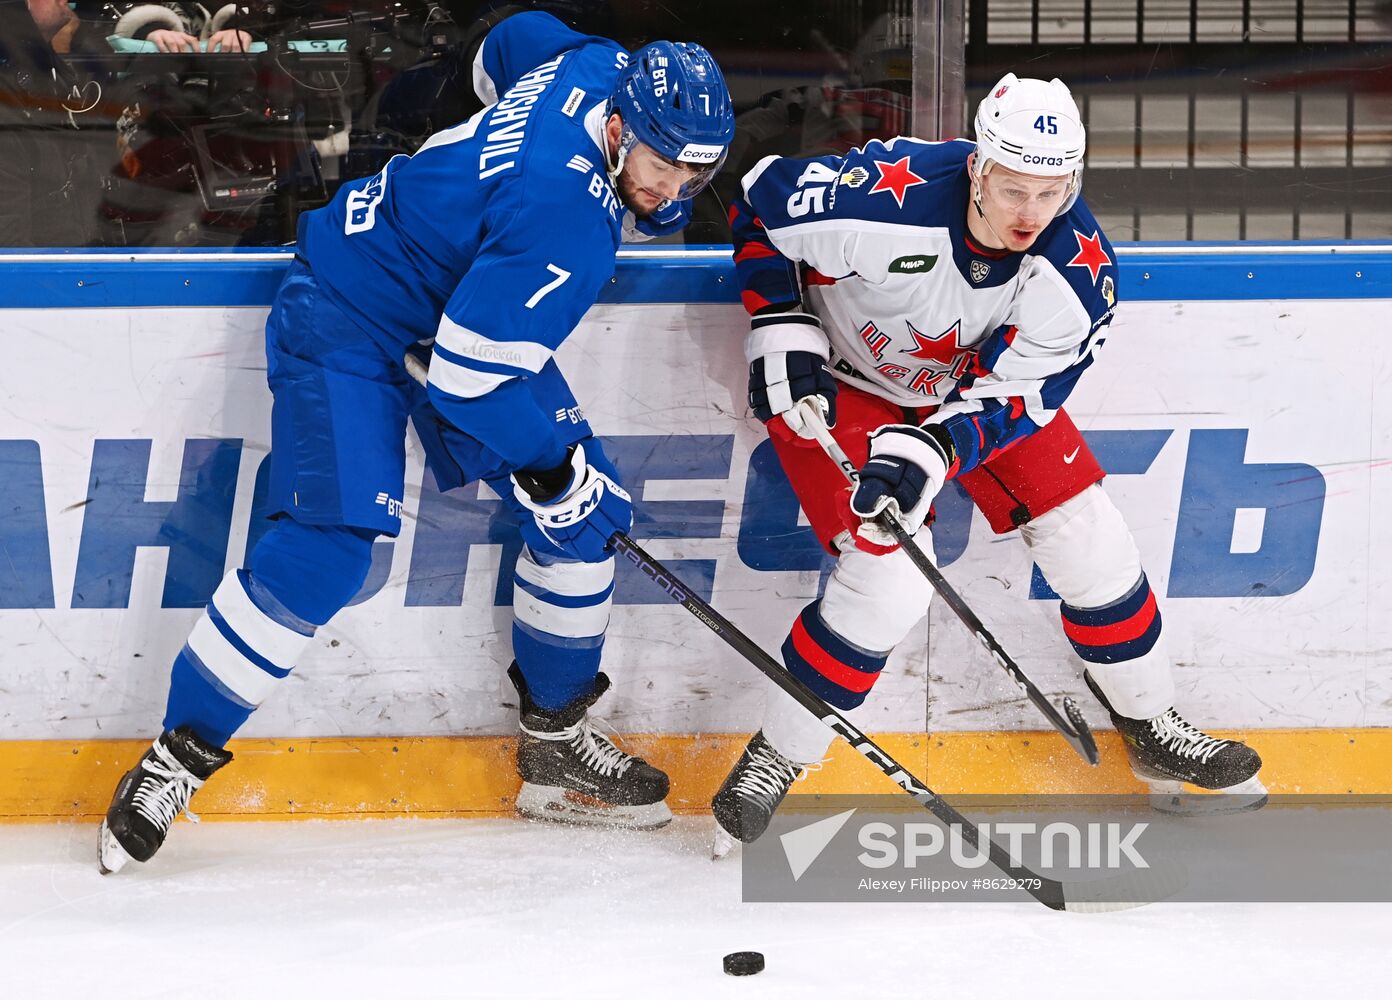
(1031, 127)
(673, 99)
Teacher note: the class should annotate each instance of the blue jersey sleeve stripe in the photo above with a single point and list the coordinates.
(475, 350)
(460, 382)
(487, 368)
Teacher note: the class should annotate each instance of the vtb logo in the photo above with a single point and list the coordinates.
(392, 504)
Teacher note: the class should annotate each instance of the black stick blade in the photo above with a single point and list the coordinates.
(1123, 892)
(1085, 743)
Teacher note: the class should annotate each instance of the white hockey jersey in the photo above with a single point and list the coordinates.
(875, 243)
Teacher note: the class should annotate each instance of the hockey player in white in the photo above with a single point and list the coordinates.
(480, 253)
(937, 302)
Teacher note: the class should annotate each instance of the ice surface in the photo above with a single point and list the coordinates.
(502, 908)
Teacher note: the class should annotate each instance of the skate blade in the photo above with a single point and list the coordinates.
(1180, 799)
(111, 856)
(551, 804)
(722, 845)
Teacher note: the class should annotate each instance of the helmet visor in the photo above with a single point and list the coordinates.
(1026, 193)
(677, 180)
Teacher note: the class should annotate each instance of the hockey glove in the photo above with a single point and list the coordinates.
(787, 355)
(906, 468)
(670, 217)
(577, 507)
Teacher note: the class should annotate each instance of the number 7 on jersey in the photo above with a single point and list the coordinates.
(561, 275)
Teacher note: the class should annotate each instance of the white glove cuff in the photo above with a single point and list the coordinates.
(785, 332)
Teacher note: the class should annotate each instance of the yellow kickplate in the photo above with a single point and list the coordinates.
(43, 780)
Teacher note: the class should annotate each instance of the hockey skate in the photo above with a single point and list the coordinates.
(751, 794)
(1168, 753)
(572, 774)
(153, 794)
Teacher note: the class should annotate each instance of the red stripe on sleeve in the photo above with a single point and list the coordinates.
(755, 251)
(753, 302)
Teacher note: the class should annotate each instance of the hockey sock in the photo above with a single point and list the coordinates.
(792, 730)
(1122, 644)
(837, 671)
(560, 614)
(259, 621)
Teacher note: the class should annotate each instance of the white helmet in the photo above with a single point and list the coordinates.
(1031, 127)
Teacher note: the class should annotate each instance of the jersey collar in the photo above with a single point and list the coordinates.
(594, 128)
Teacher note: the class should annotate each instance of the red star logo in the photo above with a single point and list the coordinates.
(895, 178)
(943, 348)
(1090, 254)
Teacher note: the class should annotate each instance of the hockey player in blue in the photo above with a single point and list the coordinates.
(478, 254)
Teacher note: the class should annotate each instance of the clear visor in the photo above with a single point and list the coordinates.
(1028, 195)
(653, 171)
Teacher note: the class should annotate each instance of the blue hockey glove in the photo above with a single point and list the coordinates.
(906, 468)
(787, 355)
(669, 217)
(577, 507)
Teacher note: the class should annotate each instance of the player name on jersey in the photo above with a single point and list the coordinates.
(507, 123)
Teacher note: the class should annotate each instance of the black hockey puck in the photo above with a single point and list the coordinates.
(744, 963)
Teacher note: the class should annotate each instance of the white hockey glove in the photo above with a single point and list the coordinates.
(787, 355)
(576, 507)
(906, 468)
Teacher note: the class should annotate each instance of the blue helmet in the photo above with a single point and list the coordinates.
(673, 99)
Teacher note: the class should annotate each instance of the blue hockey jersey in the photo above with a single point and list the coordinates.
(492, 240)
(876, 244)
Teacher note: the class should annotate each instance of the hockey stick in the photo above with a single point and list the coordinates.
(1120, 892)
(1117, 893)
(1074, 728)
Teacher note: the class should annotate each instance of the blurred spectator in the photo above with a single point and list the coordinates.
(49, 191)
(56, 22)
(183, 27)
(125, 123)
(216, 151)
